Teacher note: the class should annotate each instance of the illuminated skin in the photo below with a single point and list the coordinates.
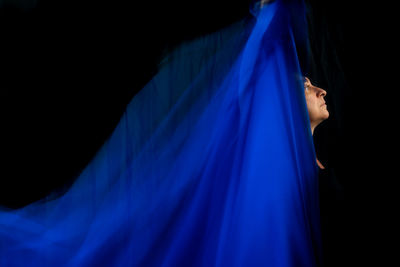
(317, 109)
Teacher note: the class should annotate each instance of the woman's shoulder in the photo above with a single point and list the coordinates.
(320, 165)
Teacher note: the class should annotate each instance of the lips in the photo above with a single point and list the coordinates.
(324, 104)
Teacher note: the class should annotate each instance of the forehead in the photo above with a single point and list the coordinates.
(306, 80)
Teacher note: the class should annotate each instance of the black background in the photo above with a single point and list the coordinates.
(68, 69)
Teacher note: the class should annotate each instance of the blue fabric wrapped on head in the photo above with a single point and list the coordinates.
(211, 164)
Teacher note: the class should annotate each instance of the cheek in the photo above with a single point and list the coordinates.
(311, 105)
(314, 113)
(309, 101)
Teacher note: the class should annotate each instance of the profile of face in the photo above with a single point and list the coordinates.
(317, 109)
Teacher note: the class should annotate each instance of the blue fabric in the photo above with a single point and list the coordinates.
(212, 164)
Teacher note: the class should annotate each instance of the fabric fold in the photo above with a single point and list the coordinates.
(211, 164)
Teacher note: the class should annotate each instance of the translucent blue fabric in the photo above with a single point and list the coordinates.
(212, 164)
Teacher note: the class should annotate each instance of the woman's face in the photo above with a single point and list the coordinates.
(316, 106)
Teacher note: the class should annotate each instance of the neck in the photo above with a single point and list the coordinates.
(312, 128)
(312, 131)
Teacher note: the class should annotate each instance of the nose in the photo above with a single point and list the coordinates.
(320, 92)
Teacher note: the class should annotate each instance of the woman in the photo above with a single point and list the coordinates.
(316, 106)
(331, 192)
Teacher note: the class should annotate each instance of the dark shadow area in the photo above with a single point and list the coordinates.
(69, 68)
(350, 49)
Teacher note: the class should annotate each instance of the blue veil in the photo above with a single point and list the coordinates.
(211, 164)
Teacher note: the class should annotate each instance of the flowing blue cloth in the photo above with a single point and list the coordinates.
(212, 164)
